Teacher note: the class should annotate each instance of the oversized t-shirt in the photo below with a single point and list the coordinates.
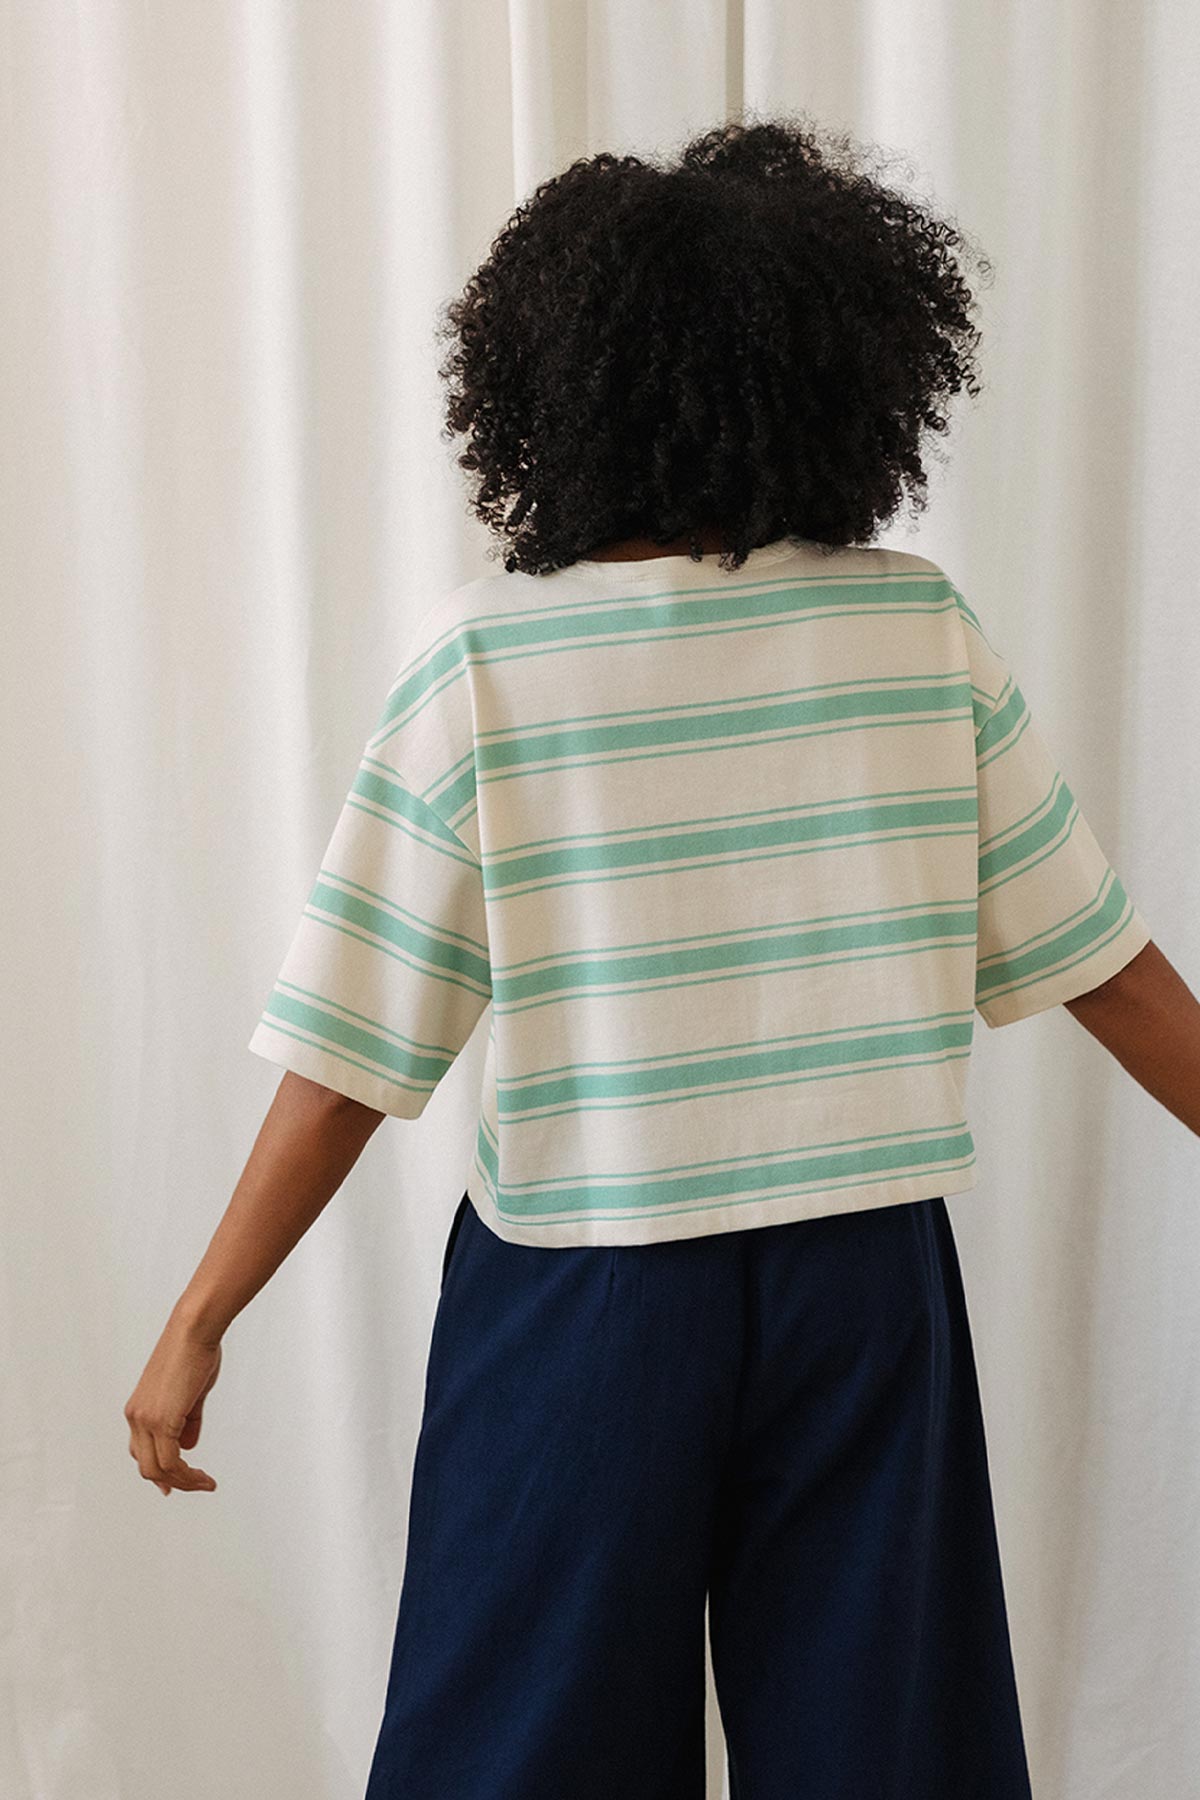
(734, 858)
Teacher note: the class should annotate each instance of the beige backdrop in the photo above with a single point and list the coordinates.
(226, 230)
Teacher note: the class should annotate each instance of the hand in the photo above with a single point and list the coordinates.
(163, 1412)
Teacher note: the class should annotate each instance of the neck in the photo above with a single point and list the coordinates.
(633, 549)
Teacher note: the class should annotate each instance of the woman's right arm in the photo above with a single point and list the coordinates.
(308, 1142)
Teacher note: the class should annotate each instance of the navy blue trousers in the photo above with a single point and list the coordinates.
(783, 1423)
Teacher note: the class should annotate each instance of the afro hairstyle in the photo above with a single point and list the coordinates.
(756, 336)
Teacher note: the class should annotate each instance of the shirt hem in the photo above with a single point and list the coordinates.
(708, 1221)
(343, 1077)
(1069, 984)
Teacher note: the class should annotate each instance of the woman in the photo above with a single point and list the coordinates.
(734, 820)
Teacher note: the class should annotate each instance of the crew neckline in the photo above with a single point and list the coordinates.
(641, 568)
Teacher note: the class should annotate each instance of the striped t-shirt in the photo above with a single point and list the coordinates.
(735, 858)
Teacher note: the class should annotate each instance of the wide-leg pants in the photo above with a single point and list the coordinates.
(783, 1422)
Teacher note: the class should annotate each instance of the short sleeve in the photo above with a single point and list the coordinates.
(1054, 920)
(388, 969)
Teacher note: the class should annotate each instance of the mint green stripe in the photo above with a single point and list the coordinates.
(1053, 827)
(440, 956)
(660, 846)
(677, 962)
(1013, 826)
(752, 1161)
(981, 710)
(871, 1159)
(1006, 973)
(459, 793)
(497, 638)
(720, 1069)
(571, 744)
(882, 1067)
(923, 909)
(1007, 714)
(716, 1087)
(744, 704)
(487, 1149)
(383, 788)
(815, 808)
(490, 639)
(716, 725)
(324, 1029)
(932, 1170)
(967, 612)
(388, 904)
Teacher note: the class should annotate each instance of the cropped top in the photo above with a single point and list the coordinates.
(733, 858)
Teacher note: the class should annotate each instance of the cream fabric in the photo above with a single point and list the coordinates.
(733, 855)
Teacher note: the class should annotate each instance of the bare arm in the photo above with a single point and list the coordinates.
(307, 1144)
(1149, 1019)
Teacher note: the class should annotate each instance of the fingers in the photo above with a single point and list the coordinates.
(172, 1466)
(190, 1434)
(164, 1410)
(156, 1452)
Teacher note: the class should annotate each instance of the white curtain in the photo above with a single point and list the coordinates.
(226, 232)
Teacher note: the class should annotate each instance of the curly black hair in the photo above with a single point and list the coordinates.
(754, 337)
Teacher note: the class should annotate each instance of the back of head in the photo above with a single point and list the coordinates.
(756, 334)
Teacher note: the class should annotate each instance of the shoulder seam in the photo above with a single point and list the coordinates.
(403, 776)
(466, 848)
(966, 617)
